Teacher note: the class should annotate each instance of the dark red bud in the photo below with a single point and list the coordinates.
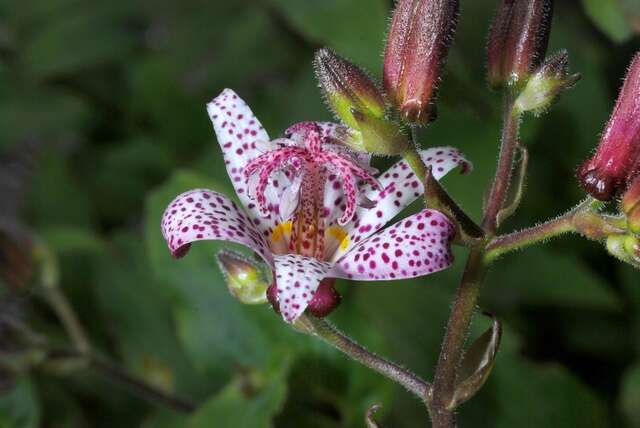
(417, 47)
(617, 159)
(272, 297)
(518, 40)
(325, 300)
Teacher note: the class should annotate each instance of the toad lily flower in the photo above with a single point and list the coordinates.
(312, 208)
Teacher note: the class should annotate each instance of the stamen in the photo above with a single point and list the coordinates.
(306, 156)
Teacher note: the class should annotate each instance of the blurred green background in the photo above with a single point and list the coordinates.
(103, 122)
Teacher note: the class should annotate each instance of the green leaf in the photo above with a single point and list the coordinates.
(548, 278)
(354, 28)
(218, 331)
(76, 38)
(609, 17)
(250, 401)
(19, 407)
(630, 395)
(138, 311)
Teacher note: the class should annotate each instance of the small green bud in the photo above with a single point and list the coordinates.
(625, 248)
(356, 100)
(546, 84)
(245, 279)
(346, 86)
(630, 206)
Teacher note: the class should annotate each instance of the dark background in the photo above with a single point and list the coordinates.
(103, 122)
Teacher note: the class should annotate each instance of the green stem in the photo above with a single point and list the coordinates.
(582, 219)
(337, 339)
(527, 237)
(455, 337)
(502, 180)
(413, 158)
(469, 289)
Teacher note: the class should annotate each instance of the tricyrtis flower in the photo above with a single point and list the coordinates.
(312, 209)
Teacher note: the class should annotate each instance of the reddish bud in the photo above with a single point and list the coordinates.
(417, 46)
(518, 40)
(272, 297)
(617, 159)
(324, 301)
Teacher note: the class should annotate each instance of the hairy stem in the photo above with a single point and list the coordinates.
(467, 294)
(582, 219)
(502, 179)
(527, 237)
(337, 339)
(454, 340)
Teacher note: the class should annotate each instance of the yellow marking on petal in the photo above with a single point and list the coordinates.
(280, 230)
(340, 235)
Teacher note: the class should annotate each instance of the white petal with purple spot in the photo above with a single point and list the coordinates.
(203, 214)
(416, 246)
(242, 138)
(297, 279)
(401, 187)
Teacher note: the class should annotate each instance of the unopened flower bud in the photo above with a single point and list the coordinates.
(245, 279)
(546, 84)
(625, 247)
(630, 206)
(347, 87)
(357, 101)
(617, 159)
(417, 47)
(518, 40)
(325, 299)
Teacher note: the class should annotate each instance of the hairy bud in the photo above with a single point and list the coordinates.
(617, 159)
(244, 277)
(546, 84)
(626, 248)
(347, 87)
(417, 47)
(357, 101)
(518, 41)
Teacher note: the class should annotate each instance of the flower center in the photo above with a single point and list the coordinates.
(307, 158)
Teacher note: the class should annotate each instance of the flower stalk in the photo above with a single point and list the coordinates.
(334, 337)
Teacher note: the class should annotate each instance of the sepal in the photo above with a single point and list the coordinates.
(546, 84)
(477, 364)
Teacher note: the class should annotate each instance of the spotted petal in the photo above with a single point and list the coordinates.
(401, 187)
(297, 279)
(203, 214)
(242, 138)
(415, 246)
